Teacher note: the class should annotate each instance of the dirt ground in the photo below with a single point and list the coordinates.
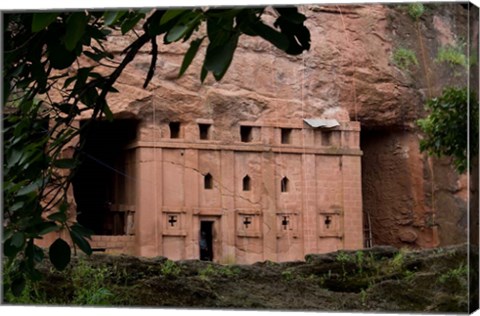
(376, 279)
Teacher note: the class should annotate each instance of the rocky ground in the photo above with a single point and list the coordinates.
(377, 279)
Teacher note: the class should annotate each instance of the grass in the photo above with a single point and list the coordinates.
(405, 58)
(223, 271)
(457, 274)
(85, 285)
(90, 285)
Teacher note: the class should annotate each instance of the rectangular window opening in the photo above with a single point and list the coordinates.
(174, 129)
(246, 134)
(204, 131)
(326, 138)
(286, 135)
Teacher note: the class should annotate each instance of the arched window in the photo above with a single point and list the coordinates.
(208, 181)
(246, 183)
(284, 184)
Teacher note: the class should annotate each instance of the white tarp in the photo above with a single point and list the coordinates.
(316, 122)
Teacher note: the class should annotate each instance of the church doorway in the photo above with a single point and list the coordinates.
(206, 240)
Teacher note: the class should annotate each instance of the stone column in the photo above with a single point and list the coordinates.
(227, 221)
(191, 198)
(148, 201)
(269, 207)
(309, 207)
(352, 202)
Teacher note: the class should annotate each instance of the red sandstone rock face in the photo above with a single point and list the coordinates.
(347, 74)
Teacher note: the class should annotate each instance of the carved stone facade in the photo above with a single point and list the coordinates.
(278, 191)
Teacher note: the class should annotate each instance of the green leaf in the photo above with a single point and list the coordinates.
(218, 58)
(47, 227)
(33, 254)
(76, 24)
(42, 20)
(60, 254)
(9, 250)
(291, 14)
(276, 38)
(190, 54)
(65, 163)
(110, 17)
(60, 57)
(81, 230)
(203, 74)
(130, 22)
(108, 113)
(67, 108)
(89, 97)
(176, 33)
(59, 217)
(18, 240)
(18, 285)
(171, 14)
(93, 56)
(16, 206)
(32, 187)
(13, 157)
(69, 81)
(81, 242)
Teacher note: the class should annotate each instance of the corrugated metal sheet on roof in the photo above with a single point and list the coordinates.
(319, 123)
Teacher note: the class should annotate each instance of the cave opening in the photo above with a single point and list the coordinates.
(387, 187)
(99, 184)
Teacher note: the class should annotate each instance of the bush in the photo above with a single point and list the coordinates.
(447, 125)
(415, 10)
(452, 55)
(89, 285)
(404, 58)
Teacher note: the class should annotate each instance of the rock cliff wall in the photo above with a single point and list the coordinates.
(349, 73)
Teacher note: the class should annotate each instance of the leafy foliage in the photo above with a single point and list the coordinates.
(47, 85)
(416, 10)
(446, 126)
(453, 55)
(404, 58)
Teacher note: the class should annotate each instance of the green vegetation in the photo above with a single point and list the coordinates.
(287, 275)
(372, 279)
(447, 125)
(86, 285)
(212, 271)
(416, 10)
(452, 55)
(170, 269)
(405, 58)
(458, 274)
(89, 285)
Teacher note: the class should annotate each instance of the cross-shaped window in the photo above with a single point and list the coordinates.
(285, 222)
(328, 221)
(172, 219)
(247, 221)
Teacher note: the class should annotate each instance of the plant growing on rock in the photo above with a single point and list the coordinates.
(416, 10)
(452, 55)
(405, 58)
(446, 127)
(170, 269)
